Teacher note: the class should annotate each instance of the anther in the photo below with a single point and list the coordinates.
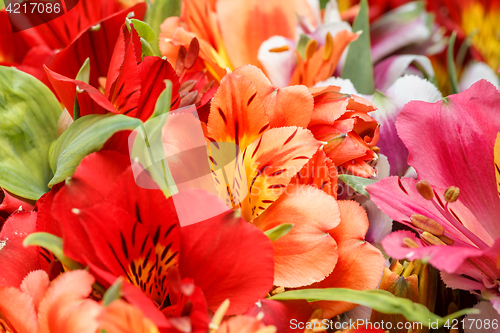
(427, 224)
(75, 211)
(425, 189)
(431, 239)
(408, 242)
(451, 194)
(446, 240)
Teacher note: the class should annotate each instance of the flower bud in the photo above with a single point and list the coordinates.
(425, 189)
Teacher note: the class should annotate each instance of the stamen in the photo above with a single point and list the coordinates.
(460, 227)
(425, 189)
(451, 194)
(408, 242)
(375, 149)
(75, 211)
(446, 240)
(431, 239)
(280, 49)
(218, 316)
(427, 224)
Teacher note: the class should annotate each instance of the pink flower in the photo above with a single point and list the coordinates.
(455, 147)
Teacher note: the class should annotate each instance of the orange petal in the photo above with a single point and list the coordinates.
(360, 265)
(237, 113)
(65, 306)
(307, 254)
(167, 30)
(329, 105)
(319, 172)
(18, 310)
(36, 284)
(241, 324)
(121, 317)
(245, 24)
(289, 106)
(271, 162)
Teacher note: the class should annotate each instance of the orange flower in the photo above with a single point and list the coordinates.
(43, 306)
(281, 159)
(231, 32)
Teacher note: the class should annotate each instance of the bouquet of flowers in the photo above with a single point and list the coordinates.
(239, 166)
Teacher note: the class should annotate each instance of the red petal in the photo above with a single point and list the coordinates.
(229, 259)
(96, 44)
(154, 71)
(90, 101)
(16, 260)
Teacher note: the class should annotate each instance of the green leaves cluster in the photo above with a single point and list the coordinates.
(379, 300)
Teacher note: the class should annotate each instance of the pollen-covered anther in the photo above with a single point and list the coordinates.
(75, 211)
(427, 224)
(375, 149)
(451, 194)
(278, 290)
(446, 240)
(408, 242)
(425, 189)
(431, 239)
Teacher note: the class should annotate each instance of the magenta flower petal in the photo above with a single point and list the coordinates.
(457, 136)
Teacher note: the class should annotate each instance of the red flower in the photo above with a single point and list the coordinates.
(132, 86)
(119, 229)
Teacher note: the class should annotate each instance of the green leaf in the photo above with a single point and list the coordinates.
(144, 30)
(357, 183)
(162, 105)
(278, 231)
(302, 45)
(84, 72)
(54, 244)
(86, 135)
(379, 300)
(452, 70)
(113, 293)
(158, 12)
(323, 3)
(146, 49)
(358, 66)
(29, 114)
(148, 145)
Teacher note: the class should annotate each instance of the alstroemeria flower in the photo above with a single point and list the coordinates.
(281, 160)
(44, 306)
(132, 84)
(234, 30)
(342, 121)
(32, 48)
(181, 271)
(453, 145)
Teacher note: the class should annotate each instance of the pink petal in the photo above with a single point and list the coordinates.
(451, 143)
(400, 199)
(445, 258)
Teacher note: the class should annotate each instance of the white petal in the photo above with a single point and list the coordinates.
(412, 88)
(279, 66)
(476, 72)
(345, 85)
